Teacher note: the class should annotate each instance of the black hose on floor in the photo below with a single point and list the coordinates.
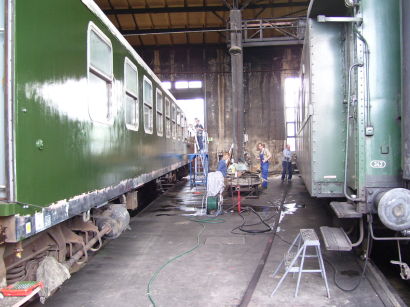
(247, 296)
(245, 227)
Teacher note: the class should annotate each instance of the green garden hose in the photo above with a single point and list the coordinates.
(156, 273)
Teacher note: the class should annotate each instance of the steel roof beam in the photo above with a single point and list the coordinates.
(171, 31)
(196, 9)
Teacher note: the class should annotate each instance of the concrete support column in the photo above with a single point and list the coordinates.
(237, 82)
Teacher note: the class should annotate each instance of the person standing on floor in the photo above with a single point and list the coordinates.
(199, 134)
(264, 156)
(287, 163)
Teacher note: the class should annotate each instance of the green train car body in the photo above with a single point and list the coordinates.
(405, 56)
(365, 40)
(377, 128)
(83, 116)
(321, 125)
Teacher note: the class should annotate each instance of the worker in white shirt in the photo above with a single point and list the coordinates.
(287, 163)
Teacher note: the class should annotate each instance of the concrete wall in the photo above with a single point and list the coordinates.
(265, 69)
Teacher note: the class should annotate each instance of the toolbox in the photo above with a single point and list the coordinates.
(21, 288)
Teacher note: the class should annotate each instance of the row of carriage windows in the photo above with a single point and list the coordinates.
(100, 80)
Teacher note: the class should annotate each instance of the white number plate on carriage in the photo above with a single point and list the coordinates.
(378, 164)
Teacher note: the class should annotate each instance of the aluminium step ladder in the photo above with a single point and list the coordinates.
(198, 172)
(294, 259)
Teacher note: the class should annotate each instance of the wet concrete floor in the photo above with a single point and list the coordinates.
(218, 271)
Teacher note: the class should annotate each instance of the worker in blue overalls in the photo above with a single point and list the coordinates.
(264, 156)
(223, 164)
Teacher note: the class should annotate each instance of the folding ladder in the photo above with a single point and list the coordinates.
(305, 239)
(198, 172)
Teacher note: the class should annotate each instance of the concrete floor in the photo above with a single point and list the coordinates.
(218, 272)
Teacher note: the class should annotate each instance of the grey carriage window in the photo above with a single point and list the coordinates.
(174, 119)
(182, 126)
(148, 106)
(184, 129)
(178, 124)
(100, 75)
(167, 118)
(160, 111)
(131, 95)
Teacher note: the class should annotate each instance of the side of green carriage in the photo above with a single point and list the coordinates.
(84, 119)
(349, 130)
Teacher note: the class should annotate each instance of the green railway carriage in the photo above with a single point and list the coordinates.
(83, 119)
(321, 119)
(337, 72)
(349, 118)
(353, 109)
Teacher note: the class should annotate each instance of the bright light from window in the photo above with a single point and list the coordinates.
(290, 114)
(291, 92)
(193, 108)
(166, 84)
(181, 84)
(291, 142)
(290, 129)
(195, 84)
(188, 84)
(291, 102)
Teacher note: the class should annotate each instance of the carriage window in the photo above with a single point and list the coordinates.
(184, 129)
(178, 124)
(131, 95)
(174, 119)
(182, 126)
(160, 110)
(167, 118)
(99, 52)
(148, 106)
